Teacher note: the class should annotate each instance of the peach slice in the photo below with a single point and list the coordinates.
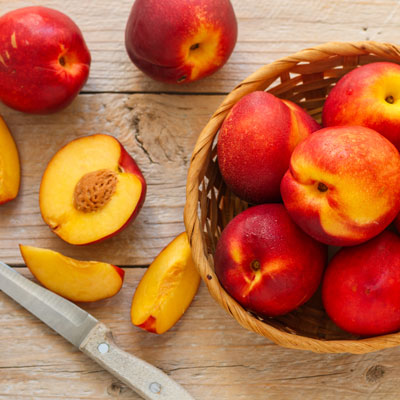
(91, 189)
(75, 280)
(167, 288)
(9, 165)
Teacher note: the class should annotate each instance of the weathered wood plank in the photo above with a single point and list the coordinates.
(267, 30)
(159, 131)
(207, 352)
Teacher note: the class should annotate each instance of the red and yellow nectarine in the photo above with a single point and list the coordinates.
(44, 61)
(268, 264)
(343, 185)
(255, 143)
(367, 96)
(91, 189)
(180, 41)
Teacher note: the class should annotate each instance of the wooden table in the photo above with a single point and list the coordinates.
(207, 351)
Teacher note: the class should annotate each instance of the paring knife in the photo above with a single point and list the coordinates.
(91, 337)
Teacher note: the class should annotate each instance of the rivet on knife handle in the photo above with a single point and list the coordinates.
(145, 379)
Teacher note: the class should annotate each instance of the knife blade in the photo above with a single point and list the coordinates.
(91, 337)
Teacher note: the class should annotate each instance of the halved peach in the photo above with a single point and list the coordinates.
(75, 280)
(9, 165)
(91, 189)
(167, 288)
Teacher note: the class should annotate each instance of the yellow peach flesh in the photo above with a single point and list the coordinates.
(92, 153)
(167, 288)
(9, 165)
(83, 281)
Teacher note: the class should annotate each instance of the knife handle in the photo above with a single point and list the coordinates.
(145, 379)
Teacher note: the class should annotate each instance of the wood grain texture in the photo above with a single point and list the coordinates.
(267, 30)
(206, 351)
(159, 131)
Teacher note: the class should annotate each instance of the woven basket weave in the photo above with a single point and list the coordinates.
(305, 78)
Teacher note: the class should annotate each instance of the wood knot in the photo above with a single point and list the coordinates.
(94, 190)
(375, 373)
(116, 389)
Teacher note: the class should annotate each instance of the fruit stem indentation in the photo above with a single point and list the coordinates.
(322, 187)
(389, 99)
(255, 265)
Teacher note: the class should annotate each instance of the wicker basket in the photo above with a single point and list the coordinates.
(305, 78)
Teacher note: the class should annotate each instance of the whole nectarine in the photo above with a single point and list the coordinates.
(44, 61)
(343, 185)
(360, 289)
(268, 264)
(255, 143)
(367, 96)
(180, 41)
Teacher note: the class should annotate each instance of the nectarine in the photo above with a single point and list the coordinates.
(343, 185)
(9, 165)
(255, 143)
(83, 281)
(91, 189)
(167, 288)
(180, 41)
(268, 264)
(367, 96)
(44, 61)
(360, 289)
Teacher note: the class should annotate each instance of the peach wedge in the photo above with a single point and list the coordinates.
(83, 281)
(9, 165)
(167, 288)
(91, 189)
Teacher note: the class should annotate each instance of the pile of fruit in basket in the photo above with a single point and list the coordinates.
(340, 187)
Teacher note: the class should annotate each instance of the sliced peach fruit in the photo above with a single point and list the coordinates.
(83, 281)
(167, 288)
(91, 189)
(9, 165)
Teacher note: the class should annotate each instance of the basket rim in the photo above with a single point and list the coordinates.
(260, 80)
